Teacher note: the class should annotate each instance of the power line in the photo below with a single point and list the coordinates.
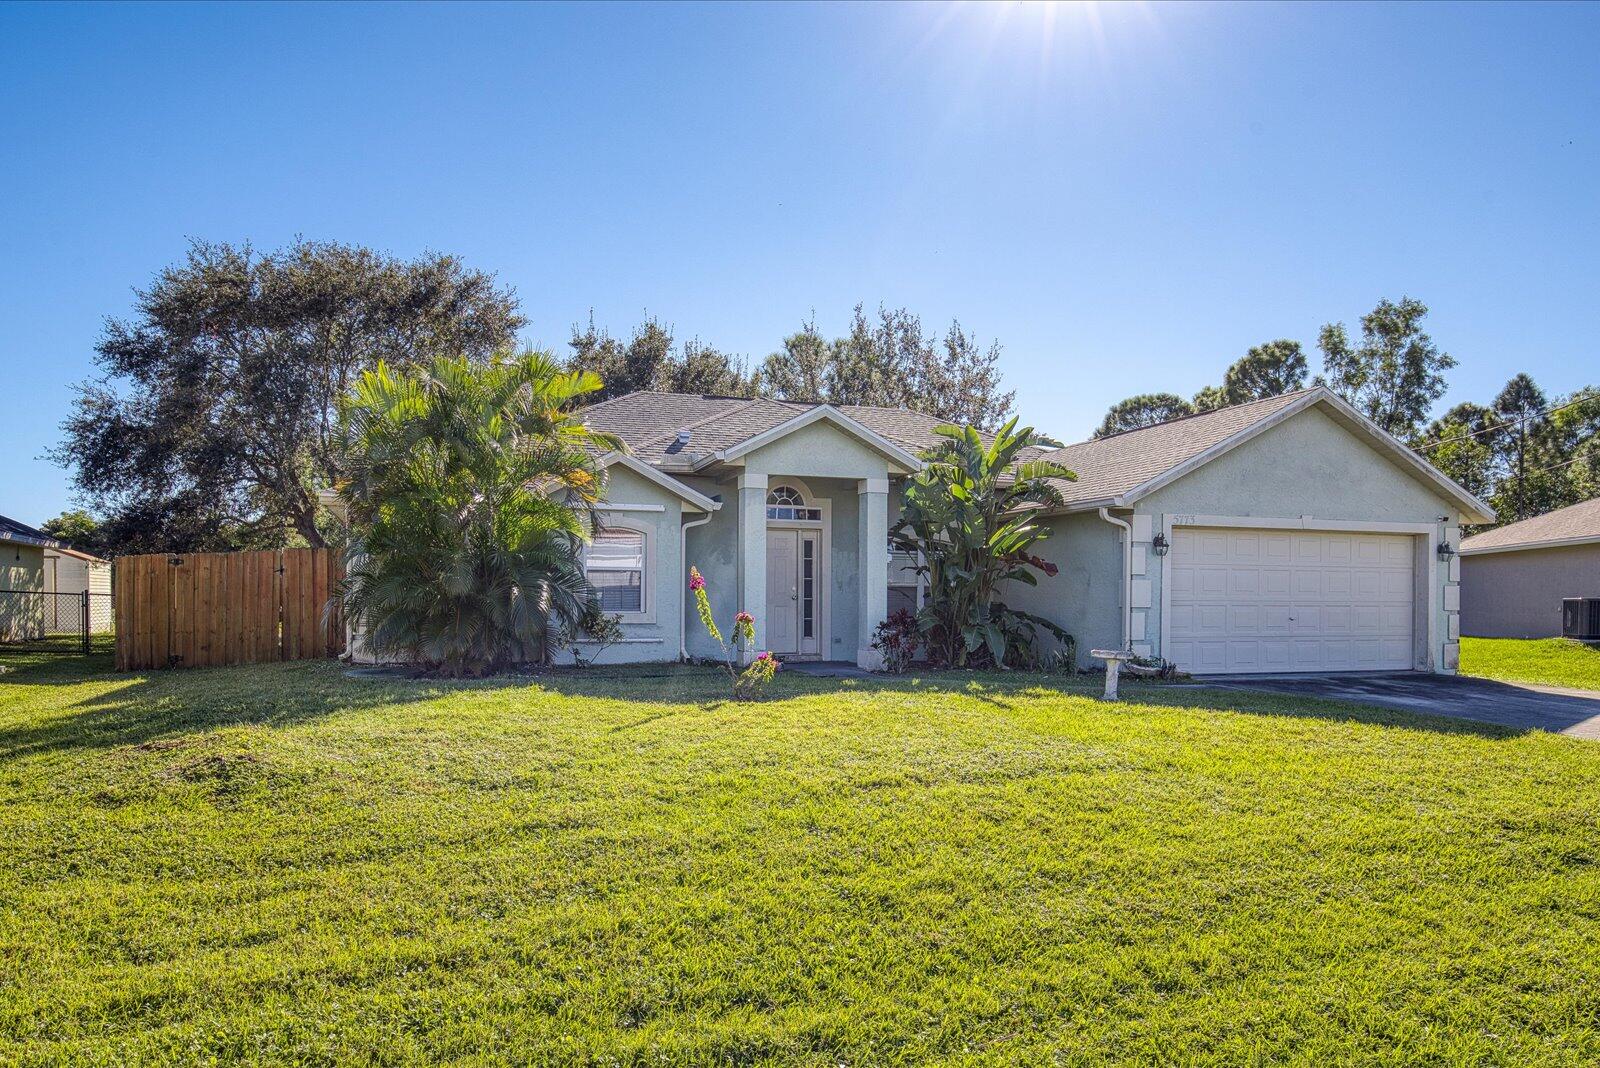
(1577, 398)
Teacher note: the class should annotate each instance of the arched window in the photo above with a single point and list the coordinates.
(786, 502)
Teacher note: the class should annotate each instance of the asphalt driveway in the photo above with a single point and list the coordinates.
(1510, 704)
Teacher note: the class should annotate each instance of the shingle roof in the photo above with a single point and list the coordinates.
(1576, 523)
(1111, 466)
(11, 530)
(649, 422)
(1107, 468)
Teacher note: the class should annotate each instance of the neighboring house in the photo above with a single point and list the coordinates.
(1284, 535)
(22, 550)
(68, 571)
(1513, 578)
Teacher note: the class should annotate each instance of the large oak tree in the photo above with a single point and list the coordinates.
(212, 424)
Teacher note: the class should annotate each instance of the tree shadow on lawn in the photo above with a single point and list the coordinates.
(146, 707)
(707, 689)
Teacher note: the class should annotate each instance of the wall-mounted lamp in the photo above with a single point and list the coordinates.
(1160, 544)
(1446, 551)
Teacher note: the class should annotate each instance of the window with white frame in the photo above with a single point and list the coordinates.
(616, 568)
(788, 503)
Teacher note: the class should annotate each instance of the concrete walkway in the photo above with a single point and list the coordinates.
(828, 669)
(1510, 704)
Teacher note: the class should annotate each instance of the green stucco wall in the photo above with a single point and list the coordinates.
(1084, 597)
(656, 640)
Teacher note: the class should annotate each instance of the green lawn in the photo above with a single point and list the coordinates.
(279, 864)
(1548, 661)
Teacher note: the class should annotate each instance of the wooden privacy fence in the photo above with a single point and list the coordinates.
(206, 609)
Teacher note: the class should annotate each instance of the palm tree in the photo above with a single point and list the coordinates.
(470, 491)
(971, 516)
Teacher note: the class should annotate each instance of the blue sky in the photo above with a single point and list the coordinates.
(1126, 196)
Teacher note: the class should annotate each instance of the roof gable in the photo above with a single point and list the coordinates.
(1119, 470)
(820, 414)
(688, 494)
(722, 428)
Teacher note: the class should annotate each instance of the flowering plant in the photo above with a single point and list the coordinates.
(749, 683)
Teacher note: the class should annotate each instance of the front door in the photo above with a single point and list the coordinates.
(783, 591)
(792, 586)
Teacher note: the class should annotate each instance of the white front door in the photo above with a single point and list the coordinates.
(794, 582)
(1300, 601)
(783, 591)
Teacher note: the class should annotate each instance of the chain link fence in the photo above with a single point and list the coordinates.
(35, 621)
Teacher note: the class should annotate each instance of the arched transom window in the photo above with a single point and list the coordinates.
(786, 502)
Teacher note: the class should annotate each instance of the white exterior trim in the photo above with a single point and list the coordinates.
(647, 581)
(645, 471)
(1427, 662)
(820, 412)
(824, 560)
(1524, 546)
(606, 506)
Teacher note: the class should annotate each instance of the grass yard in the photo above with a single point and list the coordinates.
(1544, 661)
(279, 864)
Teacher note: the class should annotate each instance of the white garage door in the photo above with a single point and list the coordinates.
(1254, 600)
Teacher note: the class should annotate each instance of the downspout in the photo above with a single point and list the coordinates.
(683, 582)
(1127, 575)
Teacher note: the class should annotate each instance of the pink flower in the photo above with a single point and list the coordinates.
(744, 617)
(697, 582)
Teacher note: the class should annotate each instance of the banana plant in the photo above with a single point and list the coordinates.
(971, 517)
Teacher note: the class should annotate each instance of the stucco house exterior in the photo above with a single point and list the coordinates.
(1283, 535)
(22, 550)
(1513, 578)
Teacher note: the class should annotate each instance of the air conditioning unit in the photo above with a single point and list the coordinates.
(1580, 618)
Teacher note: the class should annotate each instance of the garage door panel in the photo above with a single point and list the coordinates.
(1244, 618)
(1263, 601)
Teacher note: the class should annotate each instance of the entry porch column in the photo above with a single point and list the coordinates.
(872, 567)
(752, 558)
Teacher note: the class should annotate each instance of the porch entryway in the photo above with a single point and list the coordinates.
(794, 563)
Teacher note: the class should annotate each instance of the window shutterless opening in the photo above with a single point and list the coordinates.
(616, 566)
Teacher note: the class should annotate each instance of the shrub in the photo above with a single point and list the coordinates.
(970, 517)
(471, 488)
(597, 629)
(896, 640)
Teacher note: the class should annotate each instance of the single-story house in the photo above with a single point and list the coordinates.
(22, 549)
(1284, 535)
(1514, 578)
(69, 571)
